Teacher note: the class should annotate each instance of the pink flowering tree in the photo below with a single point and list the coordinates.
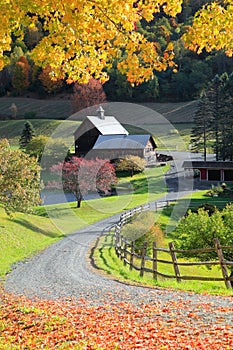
(79, 175)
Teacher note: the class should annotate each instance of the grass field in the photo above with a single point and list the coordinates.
(49, 112)
(135, 191)
(12, 129)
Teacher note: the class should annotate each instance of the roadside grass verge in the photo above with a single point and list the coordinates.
(106, 259)
(23, 236)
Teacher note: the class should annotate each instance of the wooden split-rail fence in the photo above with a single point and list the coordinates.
(126, 251)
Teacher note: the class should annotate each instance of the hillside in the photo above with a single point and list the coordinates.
(44, 109)
(55, 108)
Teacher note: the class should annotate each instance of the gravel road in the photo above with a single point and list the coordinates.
(64, 271)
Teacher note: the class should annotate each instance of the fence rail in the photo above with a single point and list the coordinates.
(125, 250)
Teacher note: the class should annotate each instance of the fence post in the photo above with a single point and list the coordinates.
(131, 256)
(174, 260)
(125, 254)
(144, 249)
(121, 246)
(117, 240)
(222, 262)
(155, 267)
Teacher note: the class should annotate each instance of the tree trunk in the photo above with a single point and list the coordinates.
(79, 198)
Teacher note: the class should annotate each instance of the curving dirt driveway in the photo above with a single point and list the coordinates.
(63, 271)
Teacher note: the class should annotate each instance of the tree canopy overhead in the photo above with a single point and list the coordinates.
(212, 28)
(81, 39)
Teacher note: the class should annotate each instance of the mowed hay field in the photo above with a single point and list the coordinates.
(159, 119)
(43, 109)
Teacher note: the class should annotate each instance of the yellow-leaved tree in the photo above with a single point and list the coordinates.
(83, 38)
(212, 28)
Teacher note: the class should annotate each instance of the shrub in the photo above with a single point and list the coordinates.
(143, 229)
(131, 165)
(210, 208)
(215, 191)
(197, 230)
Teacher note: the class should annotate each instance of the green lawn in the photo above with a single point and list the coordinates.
(24, 235)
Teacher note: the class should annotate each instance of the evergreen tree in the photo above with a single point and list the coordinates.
(215, 96)
(214, 119)
(226, 126)
(27, 134)
(201, 132)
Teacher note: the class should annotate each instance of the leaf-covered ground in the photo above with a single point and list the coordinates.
(174, 324)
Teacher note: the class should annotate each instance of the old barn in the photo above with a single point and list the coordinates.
(104, 137)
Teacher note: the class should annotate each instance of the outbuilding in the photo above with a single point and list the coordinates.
(211, 170)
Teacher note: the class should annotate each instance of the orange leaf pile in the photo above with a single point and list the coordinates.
(175, 324)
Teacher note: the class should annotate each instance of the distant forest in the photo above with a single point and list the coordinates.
(23, 78)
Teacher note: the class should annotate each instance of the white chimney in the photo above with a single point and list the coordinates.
(100, 112)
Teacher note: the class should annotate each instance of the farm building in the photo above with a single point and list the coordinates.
(104, 137)
(117, 146)
(211, 170)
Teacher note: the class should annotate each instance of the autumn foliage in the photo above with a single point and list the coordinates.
(84, 38)
(51, 84)
(20, 77)
(172, 324)
(89, 94)
(80, 175)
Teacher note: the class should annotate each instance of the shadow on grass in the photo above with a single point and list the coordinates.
(217, 201)
(51, 210)
(148, 184)
(35, 228)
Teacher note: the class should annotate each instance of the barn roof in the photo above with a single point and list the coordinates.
(123, 142)
(108, 126)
